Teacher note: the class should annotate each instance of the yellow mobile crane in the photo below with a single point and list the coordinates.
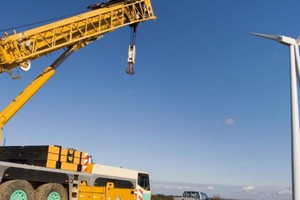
(73, 33)
(53, 172)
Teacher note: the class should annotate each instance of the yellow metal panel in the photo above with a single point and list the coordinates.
(52, 156)
(73, 152)
(64, 151)
(123, 194)
(77, 154)
(78, 161)
(69, 166)
(51, 164)
(109, 192)
(91, 192)
(67, 159)
(53, 149)
(63, 158)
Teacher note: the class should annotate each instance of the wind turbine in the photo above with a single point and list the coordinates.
(294, 81)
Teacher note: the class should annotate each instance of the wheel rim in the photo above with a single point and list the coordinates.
(18, 195)
(54, 196)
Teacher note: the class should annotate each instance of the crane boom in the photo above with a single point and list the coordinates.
(18, 49)
(30, 90)
(73, 33)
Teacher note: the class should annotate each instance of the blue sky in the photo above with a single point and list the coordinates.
(208, 107)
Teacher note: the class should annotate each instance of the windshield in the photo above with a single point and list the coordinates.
(143, 181)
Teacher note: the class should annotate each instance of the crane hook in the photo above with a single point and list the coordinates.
(131, 49)
(131, 59)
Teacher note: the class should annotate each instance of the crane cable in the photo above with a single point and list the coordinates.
(133, 34)
(40, 22)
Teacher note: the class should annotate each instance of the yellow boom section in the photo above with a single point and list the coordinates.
(71, 33)
(19, 48)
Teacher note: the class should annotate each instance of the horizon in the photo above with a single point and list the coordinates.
(238, 192)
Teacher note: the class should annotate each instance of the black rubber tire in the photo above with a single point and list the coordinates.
(21, 188)
(43, 191)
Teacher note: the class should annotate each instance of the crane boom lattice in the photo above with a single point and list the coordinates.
(19, 48)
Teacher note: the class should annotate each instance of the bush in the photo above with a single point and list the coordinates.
(161, 197)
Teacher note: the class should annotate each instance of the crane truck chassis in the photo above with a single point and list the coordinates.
(53, 172)
(65, 174)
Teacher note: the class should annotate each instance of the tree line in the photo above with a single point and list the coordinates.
(170, 197)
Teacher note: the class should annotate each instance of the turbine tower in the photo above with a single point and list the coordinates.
(294, 80)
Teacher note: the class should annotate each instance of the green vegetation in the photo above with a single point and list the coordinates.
(170, 197)
(161, 197)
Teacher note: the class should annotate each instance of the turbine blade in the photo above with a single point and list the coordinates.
(279, 38)
(271, 37)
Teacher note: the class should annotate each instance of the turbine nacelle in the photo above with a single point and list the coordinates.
(279, 38)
